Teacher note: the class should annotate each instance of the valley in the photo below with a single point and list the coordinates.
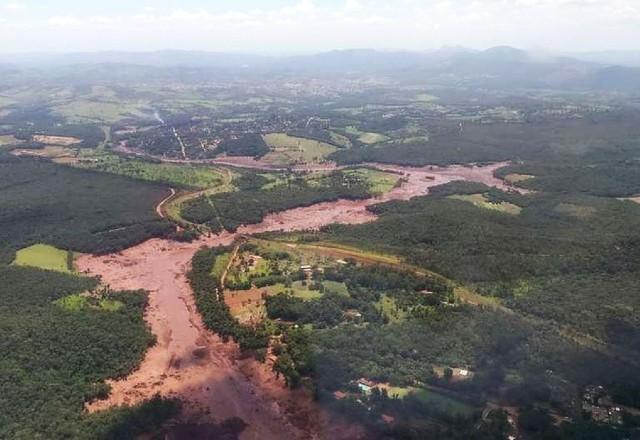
(444, 249)
(191, 363)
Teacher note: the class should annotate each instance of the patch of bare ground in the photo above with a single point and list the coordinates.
(64, 141)
(194, 365)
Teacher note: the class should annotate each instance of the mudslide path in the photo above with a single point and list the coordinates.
(191, 363)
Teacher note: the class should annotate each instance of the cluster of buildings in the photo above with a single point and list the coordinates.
(598, 405)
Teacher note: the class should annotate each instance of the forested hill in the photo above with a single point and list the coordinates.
(73, 209)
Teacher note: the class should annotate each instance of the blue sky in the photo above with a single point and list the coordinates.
(288, 26)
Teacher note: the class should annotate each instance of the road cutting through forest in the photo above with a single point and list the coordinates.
(194, 365)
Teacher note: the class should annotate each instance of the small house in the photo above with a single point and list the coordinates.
(366, 385)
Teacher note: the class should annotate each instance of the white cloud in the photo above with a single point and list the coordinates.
(65, 21)
(309, 25)
(14, 6)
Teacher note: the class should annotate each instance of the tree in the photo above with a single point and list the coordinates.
(448, 373)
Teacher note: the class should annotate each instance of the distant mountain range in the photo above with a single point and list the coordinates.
(499, 67)
(628, 58)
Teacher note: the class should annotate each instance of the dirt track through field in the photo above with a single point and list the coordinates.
(193, 364)
(159, 208)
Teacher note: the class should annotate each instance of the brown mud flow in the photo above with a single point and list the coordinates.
(194, 365)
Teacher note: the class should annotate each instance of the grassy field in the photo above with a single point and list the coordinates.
(574, 210)
(443, 403)
(398, 392)
(84, 110)
(241, 270)
(425, 97)
(275, 180)
(43, 256)
(188, 176)
(379, 182)
(366, 137)
(4, 101)
(514, 178)
(173, 208)
(184, 176)
(389, 307)
(287, 150)
(220, 265)
(78, 302)
(293, 242)
(64, 141)
(8, 140)
(335, 287)
(303, 292)
(341, 140)
(413, 140)
(481, 201)
(57, 153)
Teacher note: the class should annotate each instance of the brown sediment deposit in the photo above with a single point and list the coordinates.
(194, 365)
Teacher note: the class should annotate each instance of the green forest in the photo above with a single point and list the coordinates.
(54, 358)
(73, 209)
(228, 211)
(62, 335)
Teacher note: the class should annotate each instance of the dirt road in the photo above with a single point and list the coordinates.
(159, 209)
(191, 363)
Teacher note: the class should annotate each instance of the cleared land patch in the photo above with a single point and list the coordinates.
(191, 176)
(286, 150)
(339, 139)
(367, 137)
(45, 257)
(577, 211)
(63, 141)
(79, 302)
(389, 308)
(379, 182)
(443, 403)
(247, 306)
(514, 178)
(100, 111)
(481, 201)
(8, 140)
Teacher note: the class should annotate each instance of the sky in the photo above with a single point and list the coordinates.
(304, 26)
